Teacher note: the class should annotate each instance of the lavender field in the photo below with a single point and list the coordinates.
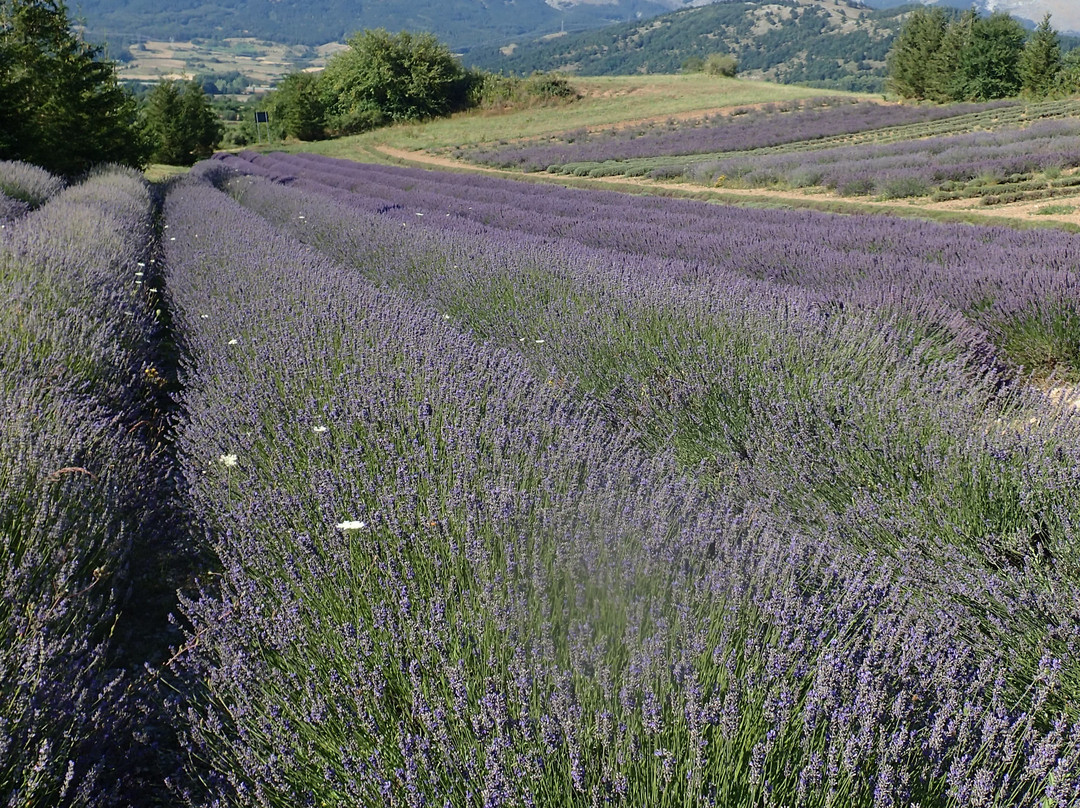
(910, 168)
(510, 519)
(740, 130)
(995, 152)
(524, 496)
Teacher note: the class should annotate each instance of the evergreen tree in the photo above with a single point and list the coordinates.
(179, 123)
(1041, 60)
(61, 106)
(910, 62)
(989, 63)
(945, 82)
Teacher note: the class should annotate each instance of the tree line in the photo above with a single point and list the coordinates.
(385, 78)
(941, 57)
(63, 108)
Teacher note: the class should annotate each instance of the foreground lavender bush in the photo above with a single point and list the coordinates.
(27, 183)
(74, 336)
(444, 582)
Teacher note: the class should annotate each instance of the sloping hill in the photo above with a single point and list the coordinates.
(460, 23)
(831, 43)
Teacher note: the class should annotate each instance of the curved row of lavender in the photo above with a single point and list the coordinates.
(445, 582)
(75, 336)
(1012, 290)
(908, 168)
(739, 131)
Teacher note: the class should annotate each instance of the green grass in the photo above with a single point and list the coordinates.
(1055, 210)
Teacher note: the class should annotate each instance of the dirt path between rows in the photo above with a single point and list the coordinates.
(1022, 211)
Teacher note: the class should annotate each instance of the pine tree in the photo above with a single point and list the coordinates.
(911, 58)
(945, 82)
(61, 106)
(179, 123)
(989, 64)
(1041, 60)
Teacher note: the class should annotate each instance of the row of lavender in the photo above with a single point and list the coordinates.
(75, 338)
(447, 581)
(674, 360)
(741, 130)
(907, 168)
(23, 186)
(1002, 291)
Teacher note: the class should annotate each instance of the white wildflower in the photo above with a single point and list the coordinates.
(350, 525)
(227, 460)
(233, 342)
(320, 429)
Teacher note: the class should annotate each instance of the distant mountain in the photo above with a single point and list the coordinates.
(462, 24)
(829, 43)
(1065, 14)
(837, 44)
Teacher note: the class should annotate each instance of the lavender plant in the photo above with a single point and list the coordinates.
(28, 183)
(73, 345)
(11, 209)
(445, 581)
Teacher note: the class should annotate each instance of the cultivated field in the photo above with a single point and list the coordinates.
(263, 62)
(752, 143)
(484, 492)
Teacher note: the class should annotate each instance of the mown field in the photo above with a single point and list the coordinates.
(491, 493)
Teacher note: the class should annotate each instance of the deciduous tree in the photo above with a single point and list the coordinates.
(398, 77)
(299, 107)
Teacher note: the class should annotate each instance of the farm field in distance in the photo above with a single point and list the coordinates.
(494, 487)
(262, 62)
(644, 108)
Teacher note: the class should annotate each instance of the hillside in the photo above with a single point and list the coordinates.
(461, 23)
(838, 44)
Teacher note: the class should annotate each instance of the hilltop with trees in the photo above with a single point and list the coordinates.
(941, 57)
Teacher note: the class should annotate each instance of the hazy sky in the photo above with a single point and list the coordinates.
(1066, 13)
